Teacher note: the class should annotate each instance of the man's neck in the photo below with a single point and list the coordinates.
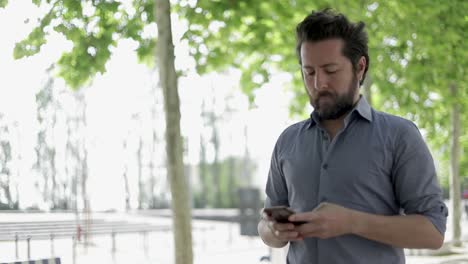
(332, 126)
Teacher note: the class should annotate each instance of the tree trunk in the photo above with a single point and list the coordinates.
(140, 179)
(125, 178)
(152, 172)
(175, 169)
(5, 161)
(19, 158)
(246, 164)
(216, 168)
(454, 169)
(53, 154)
(8, 192)
(19, 167)
(203, 172)
(53, 175)
(84, 173)
(232, 185)
(207, 193)
(69, 171)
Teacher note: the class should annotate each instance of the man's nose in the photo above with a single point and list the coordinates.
(320, 81)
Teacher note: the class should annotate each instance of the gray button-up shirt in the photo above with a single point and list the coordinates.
(378, 163)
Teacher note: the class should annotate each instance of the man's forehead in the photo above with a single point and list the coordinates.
(322, 53)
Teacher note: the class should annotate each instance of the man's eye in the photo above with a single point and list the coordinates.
(310, 73)
(331, 72)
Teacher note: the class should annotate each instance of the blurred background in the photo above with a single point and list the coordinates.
(83, 122)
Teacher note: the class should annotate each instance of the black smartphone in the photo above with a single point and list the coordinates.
(281, 214)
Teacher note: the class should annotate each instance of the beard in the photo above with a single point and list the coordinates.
(335, 105)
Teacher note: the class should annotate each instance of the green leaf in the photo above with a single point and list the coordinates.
(31, 45)
(146, 52)
(3, 3)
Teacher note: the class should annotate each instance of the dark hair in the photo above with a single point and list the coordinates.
(327, 24)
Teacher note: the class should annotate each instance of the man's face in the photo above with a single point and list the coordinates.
(329, 78)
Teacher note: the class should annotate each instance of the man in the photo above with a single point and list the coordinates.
(363, 181)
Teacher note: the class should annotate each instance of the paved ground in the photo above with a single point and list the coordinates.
(214, 242)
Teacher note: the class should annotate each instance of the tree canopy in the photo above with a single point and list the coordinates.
(94, 28)
(416, 52)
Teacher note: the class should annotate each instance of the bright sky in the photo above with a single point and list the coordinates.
(124, 90)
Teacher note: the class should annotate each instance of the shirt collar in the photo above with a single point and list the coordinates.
(362, 108)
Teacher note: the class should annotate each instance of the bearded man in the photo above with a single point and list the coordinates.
(363, 181)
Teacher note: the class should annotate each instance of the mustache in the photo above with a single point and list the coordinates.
(325, 93)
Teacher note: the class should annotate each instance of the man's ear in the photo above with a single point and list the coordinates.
(361, 67)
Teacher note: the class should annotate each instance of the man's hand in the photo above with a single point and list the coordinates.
(283, 232)
(325, 221)
(276, 234)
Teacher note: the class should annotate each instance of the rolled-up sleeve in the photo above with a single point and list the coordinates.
(414, 175)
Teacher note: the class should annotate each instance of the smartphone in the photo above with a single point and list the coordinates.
(281, 214)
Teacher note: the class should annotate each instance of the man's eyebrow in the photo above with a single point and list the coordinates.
(321, 66)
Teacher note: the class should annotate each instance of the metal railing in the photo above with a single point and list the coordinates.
(52, 230)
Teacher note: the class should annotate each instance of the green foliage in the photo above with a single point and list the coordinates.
(134, 28)
(416, 53)
(34, 41)
(416, 70)
(416, 47)
(146, 51)
(3, 3)
(93, 28)
(254, 37)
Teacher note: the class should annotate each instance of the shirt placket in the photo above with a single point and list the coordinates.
(326, 148)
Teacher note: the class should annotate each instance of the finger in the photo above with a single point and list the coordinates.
(319, 230)
(288, 235)
(305, 217)
(281, 227)
(266, 216)
(298, 223)
(308, 229)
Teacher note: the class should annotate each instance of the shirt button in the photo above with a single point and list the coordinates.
(325, 166)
